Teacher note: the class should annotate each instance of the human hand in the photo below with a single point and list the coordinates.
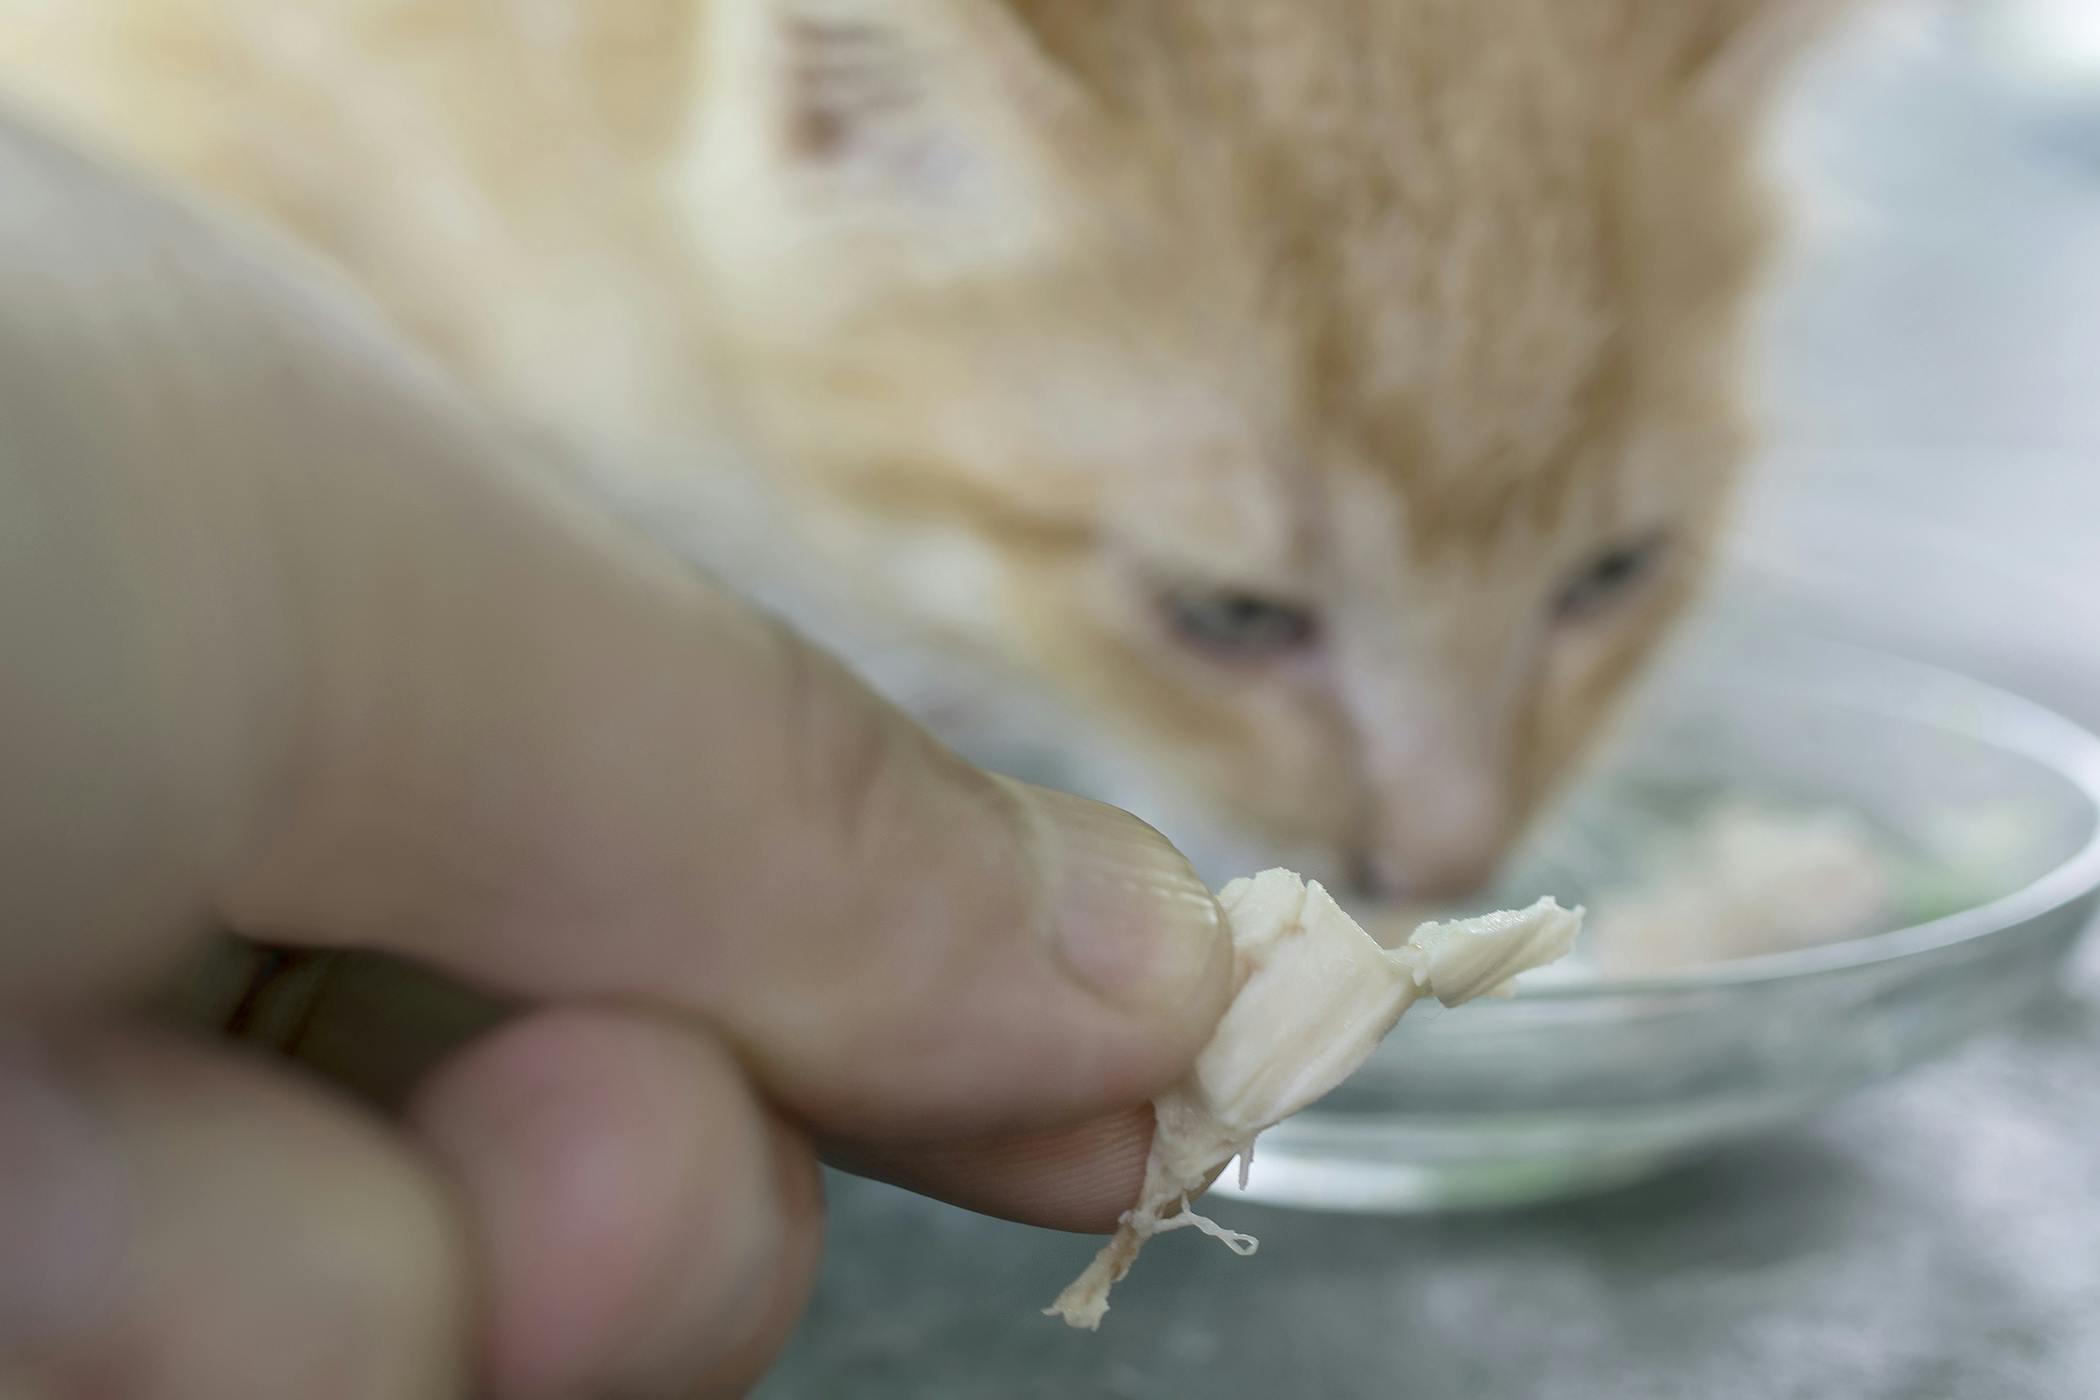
(295, 648)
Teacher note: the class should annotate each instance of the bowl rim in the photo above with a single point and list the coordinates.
(1921, 692)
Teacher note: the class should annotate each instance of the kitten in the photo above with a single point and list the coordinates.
(1295, 420)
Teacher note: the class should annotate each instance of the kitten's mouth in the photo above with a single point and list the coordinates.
(1391, 914)
(1392, 922)
(1364, 887)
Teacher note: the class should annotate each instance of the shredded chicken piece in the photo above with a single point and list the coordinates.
(1315, 996)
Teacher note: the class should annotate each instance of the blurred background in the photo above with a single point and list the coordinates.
(1931, 484)
(1933, 348)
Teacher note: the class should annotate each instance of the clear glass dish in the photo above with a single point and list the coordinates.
(1579, 1082)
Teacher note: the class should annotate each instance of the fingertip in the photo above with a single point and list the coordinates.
(1081, 1178)
(646, 1226)
(1078, 1178)
(207, 1226)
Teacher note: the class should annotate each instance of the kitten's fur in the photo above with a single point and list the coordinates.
(974, 327)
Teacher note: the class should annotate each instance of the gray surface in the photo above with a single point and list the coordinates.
(1935, 356)
(1938, 1239)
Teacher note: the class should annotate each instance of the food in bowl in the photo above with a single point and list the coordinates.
(1746, 877)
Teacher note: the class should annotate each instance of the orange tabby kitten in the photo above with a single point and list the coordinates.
(1295, 419)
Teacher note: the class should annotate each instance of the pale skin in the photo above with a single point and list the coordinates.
(294, 647)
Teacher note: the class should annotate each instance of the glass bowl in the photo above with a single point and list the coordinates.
(1581, 1082)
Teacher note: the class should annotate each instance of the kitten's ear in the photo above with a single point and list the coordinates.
(1734, 53)
(924, 125)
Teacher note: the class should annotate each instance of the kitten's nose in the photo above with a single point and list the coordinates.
(1430, 845)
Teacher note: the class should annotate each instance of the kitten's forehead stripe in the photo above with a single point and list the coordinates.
(1442, 200)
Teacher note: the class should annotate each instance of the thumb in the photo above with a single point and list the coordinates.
(710, 819)
(491, 733)
(539, 760)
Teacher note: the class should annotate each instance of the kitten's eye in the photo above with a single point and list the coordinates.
(1610, 577)
(1238, 625)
